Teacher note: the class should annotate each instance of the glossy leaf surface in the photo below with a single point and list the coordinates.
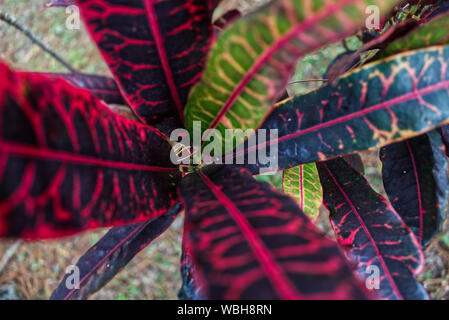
(67, 163)
(415, 179)
(383, 102)
(156, 50)
(444, 133)
(102, 87)
(371, 232)
(433, 32)
(191, 288)
(303, 184)
(254, 58)
(112, 253)
(249, 241)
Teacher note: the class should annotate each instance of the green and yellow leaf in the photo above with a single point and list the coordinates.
(383, 102)
(303, 184)
(253, 59)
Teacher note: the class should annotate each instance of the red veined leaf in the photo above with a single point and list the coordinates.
(156, 50)
(302, 183)
(372, 233)
(102, 87)
(68, 163)
(415, 179)
(437, 10)
(431, 32)
(190, 289)
(111, 254)
(355, 161)
(444, 133)
(60, 3)
(421, 2)
(248, 241)
(380, 103)
(341, 63)
(225, 20)
(250, 64)
(383, 40)
(124, 111)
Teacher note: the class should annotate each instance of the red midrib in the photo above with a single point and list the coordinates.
(281, 284)
(418, 191)
(158, 39)
(301, 186)
(108, 91)
(62, 156)
(328, 11)
(385, 104)
(368, 234)
(118, 245)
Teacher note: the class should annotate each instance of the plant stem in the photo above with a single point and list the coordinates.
(14, 23)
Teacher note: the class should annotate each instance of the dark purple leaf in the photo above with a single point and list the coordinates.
(67, 163)
(248, 241)
(60, 3)
(156, 50)
(111, 254)
(415, 179)
(102, 87)
(444, 132)
(371, 232)
(190, 289)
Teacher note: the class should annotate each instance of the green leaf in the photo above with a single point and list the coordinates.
(434, 32)
(381, 103)
(253, 59)
(303, 184)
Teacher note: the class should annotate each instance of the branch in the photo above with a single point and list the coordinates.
(14, 23)
(9, 253)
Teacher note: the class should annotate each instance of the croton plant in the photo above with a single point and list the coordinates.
(69, 162)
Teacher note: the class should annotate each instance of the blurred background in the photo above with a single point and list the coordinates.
(33, 270)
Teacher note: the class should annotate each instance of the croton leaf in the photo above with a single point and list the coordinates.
(355, 161)
(415, 179)
(380, 42)
(156, 50)
(444, 132)
(303, 184)
(190, 289)
(249, 241)
(102, 87)
(427, 34)
(68, 163)
(342, 63)
(383, 102)
(225, 19)
(60, 3)
(437, 9)
(372, 233)
(252, 61)
(111, 254)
